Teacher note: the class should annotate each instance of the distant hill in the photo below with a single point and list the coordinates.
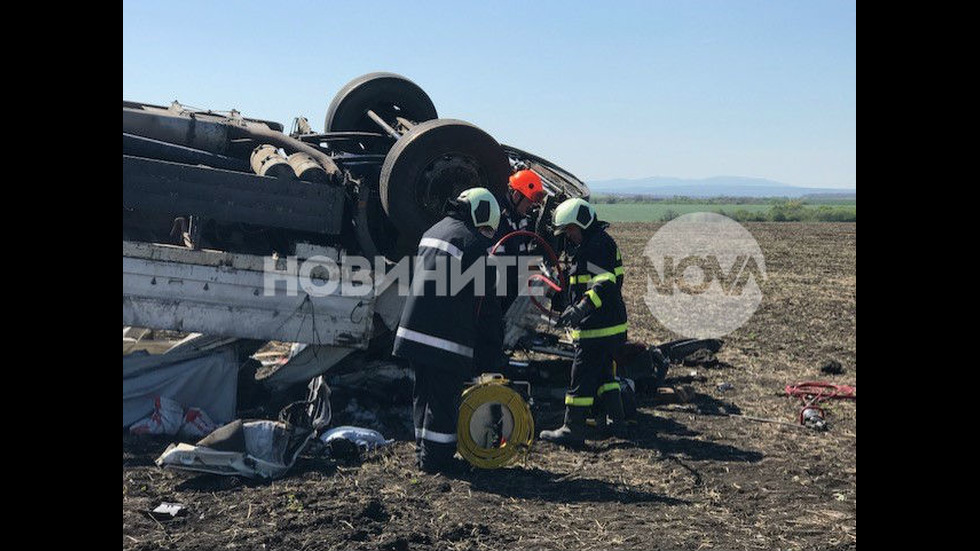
(718, 186)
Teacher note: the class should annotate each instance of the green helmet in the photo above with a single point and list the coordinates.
(484, 210)
(574, 211)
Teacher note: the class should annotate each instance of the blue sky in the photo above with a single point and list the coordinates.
(687, 89)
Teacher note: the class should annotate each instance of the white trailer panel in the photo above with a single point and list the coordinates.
(219, 293)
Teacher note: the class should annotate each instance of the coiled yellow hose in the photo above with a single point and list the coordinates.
(490, 389)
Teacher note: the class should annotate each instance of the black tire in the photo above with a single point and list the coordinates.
(380, 92)
(432, 163)
(680, 349)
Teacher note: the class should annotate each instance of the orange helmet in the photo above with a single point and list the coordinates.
(528, 184)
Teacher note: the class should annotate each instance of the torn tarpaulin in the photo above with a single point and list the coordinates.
(169, 417)
(254, 449)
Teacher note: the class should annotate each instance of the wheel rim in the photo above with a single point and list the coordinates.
(387, 94)
(444, 178)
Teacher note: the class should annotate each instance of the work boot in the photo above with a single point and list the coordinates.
(603, 429)
(452, 468)
(596, 417)
(572, 432)
(612, 402)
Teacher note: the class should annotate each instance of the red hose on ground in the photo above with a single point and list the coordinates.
(812, 393)
(821, 391)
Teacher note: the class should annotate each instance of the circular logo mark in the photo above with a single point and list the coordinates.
(706, 276)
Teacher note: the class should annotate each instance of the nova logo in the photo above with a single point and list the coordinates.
(706, 277)
(693, 275)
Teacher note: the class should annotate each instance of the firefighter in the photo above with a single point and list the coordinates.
(439, 323)
(597, 319)
(525, 191)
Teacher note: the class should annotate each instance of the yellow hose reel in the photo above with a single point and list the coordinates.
(495, 426)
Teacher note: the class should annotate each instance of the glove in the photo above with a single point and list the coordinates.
(574, 314)
(558, 301)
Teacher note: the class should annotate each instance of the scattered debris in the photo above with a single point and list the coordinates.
(832, 367)
(705, 358)
(674, 395)
(677, 350)
(815, 392)
(137, 339)
(167, 511)
(340, 449)
(347, 441)
(813, 418)
(254, 449)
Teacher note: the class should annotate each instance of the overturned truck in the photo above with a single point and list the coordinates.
(214, 202)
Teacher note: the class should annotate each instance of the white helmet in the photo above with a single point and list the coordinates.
(574, 211)
(484, 209)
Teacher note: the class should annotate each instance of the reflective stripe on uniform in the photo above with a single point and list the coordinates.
(607, 387)
(594, 297)
(435, 342)
(433, 436)
(579, 400)
(587, 278)
(604, 277)
(601, 332)
(434, 243)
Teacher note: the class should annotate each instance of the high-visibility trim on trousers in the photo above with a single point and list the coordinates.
(433, 436)
(434, 243)
(435, 342)
(607, 387)
(578, 334)
(583, 401)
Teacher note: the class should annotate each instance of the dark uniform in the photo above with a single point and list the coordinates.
(511, 221)
(437, 334)
(517, 247)
(597, 273)
(490, 357)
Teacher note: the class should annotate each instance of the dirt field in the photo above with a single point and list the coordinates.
(691, 479)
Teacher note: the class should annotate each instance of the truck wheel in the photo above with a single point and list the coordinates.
(387, 94)
(432, 163)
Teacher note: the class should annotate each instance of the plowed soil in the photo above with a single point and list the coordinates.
(694, 477)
